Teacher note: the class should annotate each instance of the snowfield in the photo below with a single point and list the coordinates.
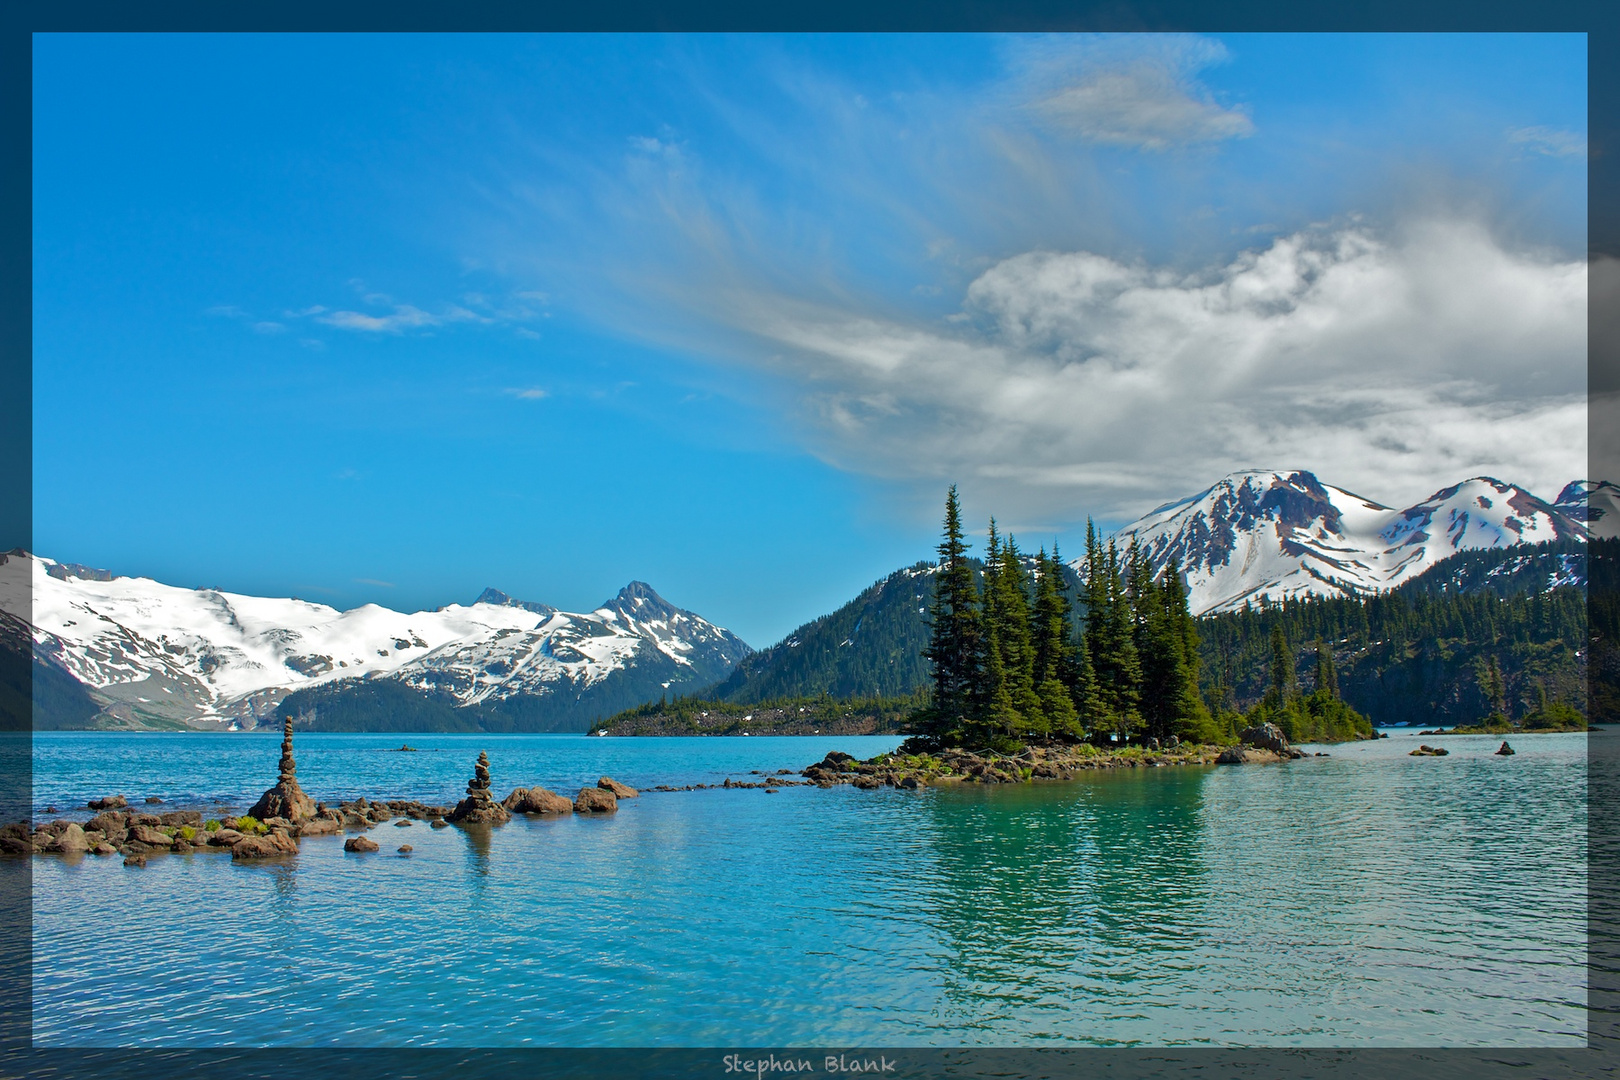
(197, 653)
(1268, 534)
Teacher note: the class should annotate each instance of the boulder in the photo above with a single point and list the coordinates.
(285, 800)
(1265, 737)
(620, 791)
(269, 846)
(360, 844)
(153, 800)
(440, 823)
(193, 818)
(1505, 750)
(320, 826)
(595, 801)
(110, 824)
(225, 837)
(479, 807)
(136, 859)
(146, 834)
(405, 849)
(71, 840)
(1426, 750)
(104, 848)
(537, 800)
(111, 802)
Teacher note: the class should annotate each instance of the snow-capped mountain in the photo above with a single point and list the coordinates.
(200, 655)
(1594, 502)
(1273, 534)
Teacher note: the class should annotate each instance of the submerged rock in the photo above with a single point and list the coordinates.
(479, 807)
(1429, 751)
(285, 800)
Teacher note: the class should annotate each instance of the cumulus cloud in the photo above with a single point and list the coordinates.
(1141, 93)
(1387, 363)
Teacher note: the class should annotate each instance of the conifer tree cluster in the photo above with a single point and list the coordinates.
(1013, 658)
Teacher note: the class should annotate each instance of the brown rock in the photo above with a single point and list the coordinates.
(479, 807)
(225, 837)
(620, 791)
(135, 860)
(440, 823)
(71, 840)
(321, 826)
(153, 800)
(193, 818)
(1265, 737)
(537, 800)
(111, 802)
(595, 801)
(104, 848)
(1247, 755)
(360, 844)
(285, 800)
(405, 849)
(269, 846)
(146, 834)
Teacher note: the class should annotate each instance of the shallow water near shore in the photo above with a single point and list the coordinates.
(1362, 899)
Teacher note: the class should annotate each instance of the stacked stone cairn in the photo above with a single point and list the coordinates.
(286, 800)
(480, 807)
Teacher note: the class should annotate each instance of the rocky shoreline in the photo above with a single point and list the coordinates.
(289, 816)
(1056, 761)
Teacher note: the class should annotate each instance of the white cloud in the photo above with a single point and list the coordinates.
(1141, 93)
(1550, 142)
(531, 393)
(404, 317)
(1389, 364)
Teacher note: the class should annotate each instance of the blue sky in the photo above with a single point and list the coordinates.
(373, 318)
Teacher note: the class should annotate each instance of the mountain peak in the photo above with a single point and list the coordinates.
(500, 599)
(1272, 534)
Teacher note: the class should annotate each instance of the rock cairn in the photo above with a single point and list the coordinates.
(480, 807)
(286, 800)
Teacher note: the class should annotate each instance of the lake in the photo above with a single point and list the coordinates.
(1367, 898)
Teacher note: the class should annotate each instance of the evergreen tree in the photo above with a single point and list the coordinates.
(1327, 677)
(1113, 656)
(1018, 644)
(1052, 632)
(954, 646)
(1284, 686)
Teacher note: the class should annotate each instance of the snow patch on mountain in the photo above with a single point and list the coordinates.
(196, 654)
(1261, 534)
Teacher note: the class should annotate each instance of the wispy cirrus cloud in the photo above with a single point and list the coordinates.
(1138, 92)
(1548, 142)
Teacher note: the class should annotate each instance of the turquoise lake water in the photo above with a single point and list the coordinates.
(1363, 899)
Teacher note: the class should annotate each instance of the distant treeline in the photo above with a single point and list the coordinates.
(1413, 656)
(787, 715)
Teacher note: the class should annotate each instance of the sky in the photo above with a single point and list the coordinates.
(390, 319)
